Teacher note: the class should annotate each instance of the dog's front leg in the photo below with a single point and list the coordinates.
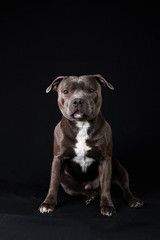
(105, 174)
(51, 200)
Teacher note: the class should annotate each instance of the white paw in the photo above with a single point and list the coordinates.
(108, 211)
(46, 208)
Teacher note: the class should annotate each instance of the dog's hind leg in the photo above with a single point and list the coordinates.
(73, 187)
(120, 177)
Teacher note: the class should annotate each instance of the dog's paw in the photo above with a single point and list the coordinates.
(108, 210)
(46, 207)
(135, 203)
(90, 200)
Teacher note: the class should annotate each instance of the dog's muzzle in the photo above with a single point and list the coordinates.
(77, 105)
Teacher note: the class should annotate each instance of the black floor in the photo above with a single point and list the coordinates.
(20, 219)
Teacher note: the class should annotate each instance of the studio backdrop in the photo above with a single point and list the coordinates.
(43, 41)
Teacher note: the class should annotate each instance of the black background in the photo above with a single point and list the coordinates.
(40, 41)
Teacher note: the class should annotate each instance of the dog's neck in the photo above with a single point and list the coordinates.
(94, 123)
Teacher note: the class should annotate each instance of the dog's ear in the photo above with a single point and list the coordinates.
(103, 81)
(54, 84)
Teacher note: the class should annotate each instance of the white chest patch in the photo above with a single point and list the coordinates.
(81, 147)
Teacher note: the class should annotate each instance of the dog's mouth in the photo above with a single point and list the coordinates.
(78, 114)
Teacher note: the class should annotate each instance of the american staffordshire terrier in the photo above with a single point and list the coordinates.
(82, 161)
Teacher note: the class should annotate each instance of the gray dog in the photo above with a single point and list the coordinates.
(82, 161)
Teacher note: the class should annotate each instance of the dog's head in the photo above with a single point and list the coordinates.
(79, 98)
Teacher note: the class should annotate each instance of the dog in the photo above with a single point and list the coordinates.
(82, 161)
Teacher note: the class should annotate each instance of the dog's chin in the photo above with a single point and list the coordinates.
(78, 115)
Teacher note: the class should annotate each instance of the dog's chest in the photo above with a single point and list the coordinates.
(81, 147)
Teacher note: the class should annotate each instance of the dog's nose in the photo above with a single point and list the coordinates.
(77, 101)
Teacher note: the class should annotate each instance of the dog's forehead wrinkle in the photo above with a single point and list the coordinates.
(71, 82)
(90, 81)
(78, 82)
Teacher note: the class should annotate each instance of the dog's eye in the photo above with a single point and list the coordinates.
(91, 90)
(65, 91)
